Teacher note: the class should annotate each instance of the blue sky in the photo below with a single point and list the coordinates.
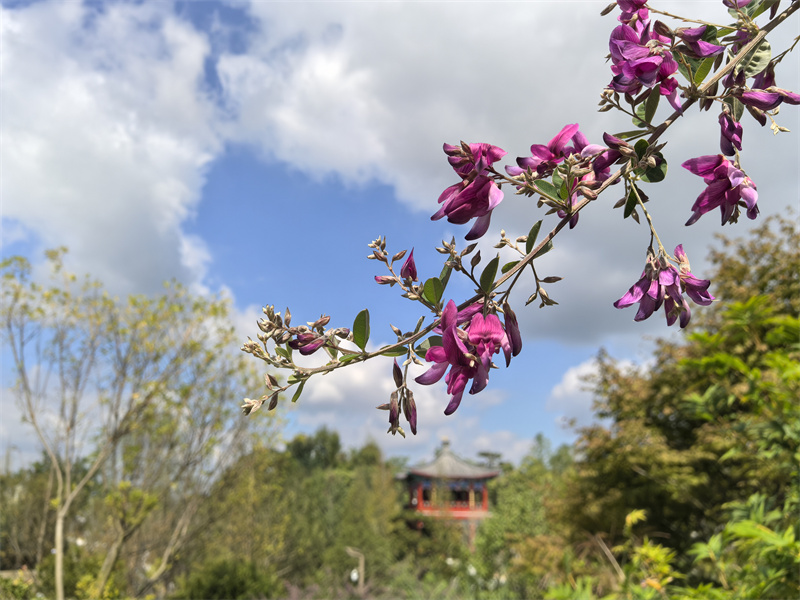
(257, 148)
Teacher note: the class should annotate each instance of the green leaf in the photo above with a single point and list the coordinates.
(432, 290)
(761, 8)
(657, 173)
(704, 69)
(640, 148)
(546, 188)
(488, 275)
(361, 329)
(396, 352)
(346, 358)
(531, 238)
(639, 111)
(508, 266)
(444, 276)
(545, 249)
(737, 108)
(751, 529)
(651, 104)
(756, 60)
(630, 205)
(283, 352)
(629, 134)
(557, 182)
(299, 391)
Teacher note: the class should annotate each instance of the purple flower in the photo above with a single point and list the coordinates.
(409, 269)
(477, 194)
(764, 94)
(736, 3)
(545, 158)
(384, 279)
(658, 280)
(727, 188)
(468, 352)
(696, 289)
(661, 283)
(307, 343)
(632, 9)
(730, 133)
(769, 98)
(693, 38)
(466, 200)
(640, 57)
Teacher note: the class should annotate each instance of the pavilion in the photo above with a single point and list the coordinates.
(450, 487)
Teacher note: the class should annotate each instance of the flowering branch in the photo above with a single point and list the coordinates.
(566, 174)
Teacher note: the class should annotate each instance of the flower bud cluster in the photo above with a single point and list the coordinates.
(401, 399)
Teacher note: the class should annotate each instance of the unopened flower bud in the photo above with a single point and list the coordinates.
(410, 411)
(397, 374)
(322, 321)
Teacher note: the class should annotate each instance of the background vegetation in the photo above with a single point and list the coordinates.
(687, 487)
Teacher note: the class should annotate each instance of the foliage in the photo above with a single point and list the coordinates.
(229, 579)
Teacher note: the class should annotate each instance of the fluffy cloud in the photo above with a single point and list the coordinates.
(106, 135)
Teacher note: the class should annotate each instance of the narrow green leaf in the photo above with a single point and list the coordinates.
(299, 391)
(508, 266)
(630, 204)
(704, 69)
(639, 112)
(651, 104)
(488, 275)
(283, 352)
(629, 134)
(432, 290)
(545, 249)
(361, 329)
(444, 276)
(396, 352)
(532, 234)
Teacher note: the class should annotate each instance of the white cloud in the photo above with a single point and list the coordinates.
(106, 135)
(570, 398)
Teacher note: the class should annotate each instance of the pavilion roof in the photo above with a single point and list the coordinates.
(447, 465)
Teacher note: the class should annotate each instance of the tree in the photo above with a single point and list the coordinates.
(133, 387)
(712, 425)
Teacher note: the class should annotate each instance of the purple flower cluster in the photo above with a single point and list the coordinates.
(727, 187)
(641, 58)
(569, 141)
(477, 194)
(468, 351)
(661, 283)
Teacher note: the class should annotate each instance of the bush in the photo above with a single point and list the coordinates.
(230, 580)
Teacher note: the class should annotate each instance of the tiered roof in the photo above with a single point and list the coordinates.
(447, 465)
